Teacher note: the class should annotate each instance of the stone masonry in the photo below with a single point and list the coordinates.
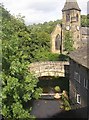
(49, 68)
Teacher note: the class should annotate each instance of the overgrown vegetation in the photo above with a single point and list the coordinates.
(85, 20)
(18, 85)
(66, 102)
(68, 41)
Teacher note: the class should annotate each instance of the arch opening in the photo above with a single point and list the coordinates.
(67, 16)
(58, 42)
(77, 17)
(48, 84)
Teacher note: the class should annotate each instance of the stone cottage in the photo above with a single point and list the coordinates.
(79, 77)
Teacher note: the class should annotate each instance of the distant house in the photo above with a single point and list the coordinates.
(79, 76)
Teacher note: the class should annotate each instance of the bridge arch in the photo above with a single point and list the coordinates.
(49, 68)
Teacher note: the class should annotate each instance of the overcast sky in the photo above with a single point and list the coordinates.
(39, 11)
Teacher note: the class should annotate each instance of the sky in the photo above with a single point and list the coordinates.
(39, 11)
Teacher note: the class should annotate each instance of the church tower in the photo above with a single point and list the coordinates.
(71, 21)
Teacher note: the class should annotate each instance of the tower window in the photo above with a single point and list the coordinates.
(68, 17)
(77, 36)
(77, 17)
(58, 42)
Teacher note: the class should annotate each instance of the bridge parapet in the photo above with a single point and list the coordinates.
(49, 68)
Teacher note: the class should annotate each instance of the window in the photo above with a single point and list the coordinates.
(77, 76)
(78, 99)
(67, 16)
(77, 36)
(58, 42)
(77, 17)
(85, 83)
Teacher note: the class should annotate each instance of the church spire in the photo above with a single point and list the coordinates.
(70, 5)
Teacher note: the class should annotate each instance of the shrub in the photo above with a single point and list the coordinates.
(57, 89)
(66, 104)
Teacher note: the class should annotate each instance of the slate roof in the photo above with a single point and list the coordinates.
(71, 4)
(85, 30)
(81, 56)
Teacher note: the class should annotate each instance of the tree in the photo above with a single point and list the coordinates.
(85, 20)
(18, 85)
(68, 42)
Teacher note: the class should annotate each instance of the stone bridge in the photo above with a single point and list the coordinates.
(50, 68)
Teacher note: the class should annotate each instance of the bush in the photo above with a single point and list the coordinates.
(53, 57)
(66, 104)
(63, 57)
(57, 89)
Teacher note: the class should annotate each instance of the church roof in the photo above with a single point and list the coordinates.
(85, 31)
(57, 26)
(71, 4)
(80, 56)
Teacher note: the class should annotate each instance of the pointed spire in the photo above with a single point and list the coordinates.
(71, 0)
(71, 4)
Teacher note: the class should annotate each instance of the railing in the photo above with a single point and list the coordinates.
(53, 94)
(49, 95)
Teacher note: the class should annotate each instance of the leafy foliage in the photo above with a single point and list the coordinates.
(46, 26)
(66, 102)
(85, 20)
(57, 89)
(18, 85)
(68, 42)
(40, 40)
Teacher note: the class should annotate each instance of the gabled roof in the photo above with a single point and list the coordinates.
(71, 4)
(58, 25)
(81, 56)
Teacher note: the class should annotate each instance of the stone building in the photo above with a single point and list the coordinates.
(56, 39)
(79, 77)
(71, 21)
